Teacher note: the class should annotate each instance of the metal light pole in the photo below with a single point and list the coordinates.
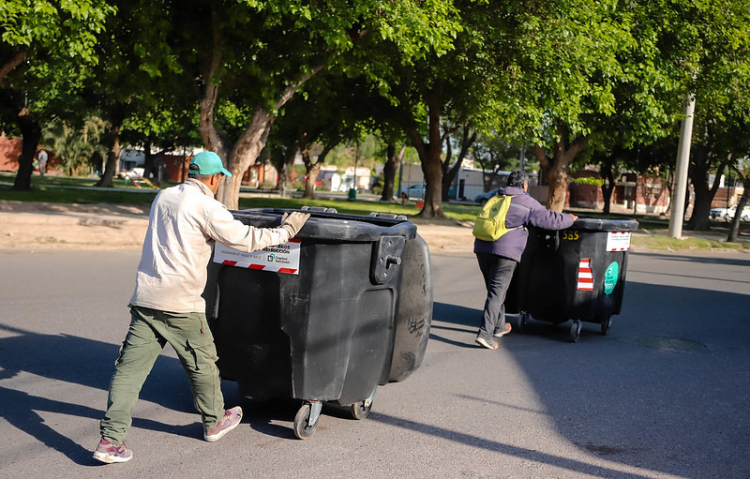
(681, 172)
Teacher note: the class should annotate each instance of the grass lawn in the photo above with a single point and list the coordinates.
(54, 189)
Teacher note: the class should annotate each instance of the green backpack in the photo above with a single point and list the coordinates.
(490, 224)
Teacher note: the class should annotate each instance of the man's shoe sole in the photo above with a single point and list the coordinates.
(502, 333)
(107, 459)
(485, 344)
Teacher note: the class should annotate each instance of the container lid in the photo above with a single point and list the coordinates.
(597, 224)
(328, 224)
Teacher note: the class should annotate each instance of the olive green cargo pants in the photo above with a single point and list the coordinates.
(150, 330)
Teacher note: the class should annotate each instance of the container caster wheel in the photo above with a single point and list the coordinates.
(523, 322)
(361, 410)
(306, 420)
(606, 324)
(575, 331)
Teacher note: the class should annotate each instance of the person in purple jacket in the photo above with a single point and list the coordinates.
(498, 259)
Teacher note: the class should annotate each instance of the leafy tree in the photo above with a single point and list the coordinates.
(77, 147)
(247, 59)
(42, 45)
(608, 81)
(633, 95)
(32, 29)
(164, 129)
(495, 154)
(721, 73)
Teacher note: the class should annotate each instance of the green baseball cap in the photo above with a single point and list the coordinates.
(208, 163)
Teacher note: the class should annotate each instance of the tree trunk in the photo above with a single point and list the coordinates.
(609, 184)
(734, 230)
(557, 167)
(704, 195)
(115, 150)
(245, 152)
(449, 174)
(313, 170)
(429, 156)
(433, 196)
(389, 171)
(252, 141)
(285, 159)
(31, 132)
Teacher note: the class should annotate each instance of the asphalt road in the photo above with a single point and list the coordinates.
(665, 394)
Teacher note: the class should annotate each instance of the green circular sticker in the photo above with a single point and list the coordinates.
(611, 277)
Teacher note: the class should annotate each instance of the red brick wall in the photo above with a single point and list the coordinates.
(10, 150)
(174, 166)
(652, 196)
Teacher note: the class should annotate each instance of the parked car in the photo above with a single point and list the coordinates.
(135, 174)
(482, 198)
(718, 213)
(413, 192)
(727, 214)
(745, 216)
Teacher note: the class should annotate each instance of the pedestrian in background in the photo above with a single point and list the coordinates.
(498, 259)
(167, 306)
(41, 159)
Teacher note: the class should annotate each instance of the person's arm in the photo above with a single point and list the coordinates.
(550, 220)
(233, 233)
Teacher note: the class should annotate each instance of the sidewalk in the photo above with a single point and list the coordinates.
(41, 226)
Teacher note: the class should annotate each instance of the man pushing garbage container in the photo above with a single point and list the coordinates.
(167, 306)
(498, 259)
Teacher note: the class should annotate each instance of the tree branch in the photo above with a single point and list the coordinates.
(291, 89)
(212, 137)
(11, 64)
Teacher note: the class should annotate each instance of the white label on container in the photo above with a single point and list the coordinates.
(618, 241)
(283, 258)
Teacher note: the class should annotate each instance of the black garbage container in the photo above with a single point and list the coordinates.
(575, 274)
(343, 307)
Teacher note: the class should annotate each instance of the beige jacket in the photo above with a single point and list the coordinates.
(185, 222)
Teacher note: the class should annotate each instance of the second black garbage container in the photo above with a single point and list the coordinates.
(342, 308)
(576, 274)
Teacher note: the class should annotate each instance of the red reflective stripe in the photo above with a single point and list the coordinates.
(287, 270)
(256, 266)
(229, 263)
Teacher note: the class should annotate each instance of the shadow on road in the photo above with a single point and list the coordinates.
(507, 449)
(88, 363)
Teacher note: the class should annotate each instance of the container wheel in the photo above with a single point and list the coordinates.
(302, 427)
(575, 331)
(361, 410)
(606, 324)
(523, 322)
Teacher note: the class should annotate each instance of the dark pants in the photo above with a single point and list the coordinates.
(497, 272)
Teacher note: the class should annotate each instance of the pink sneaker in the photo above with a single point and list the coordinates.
(500, 333)
(109, 453)
(231, 420)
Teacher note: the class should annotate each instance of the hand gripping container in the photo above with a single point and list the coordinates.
(343, 307)
(576, 274)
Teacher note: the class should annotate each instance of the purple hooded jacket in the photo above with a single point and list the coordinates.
(524, 210)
